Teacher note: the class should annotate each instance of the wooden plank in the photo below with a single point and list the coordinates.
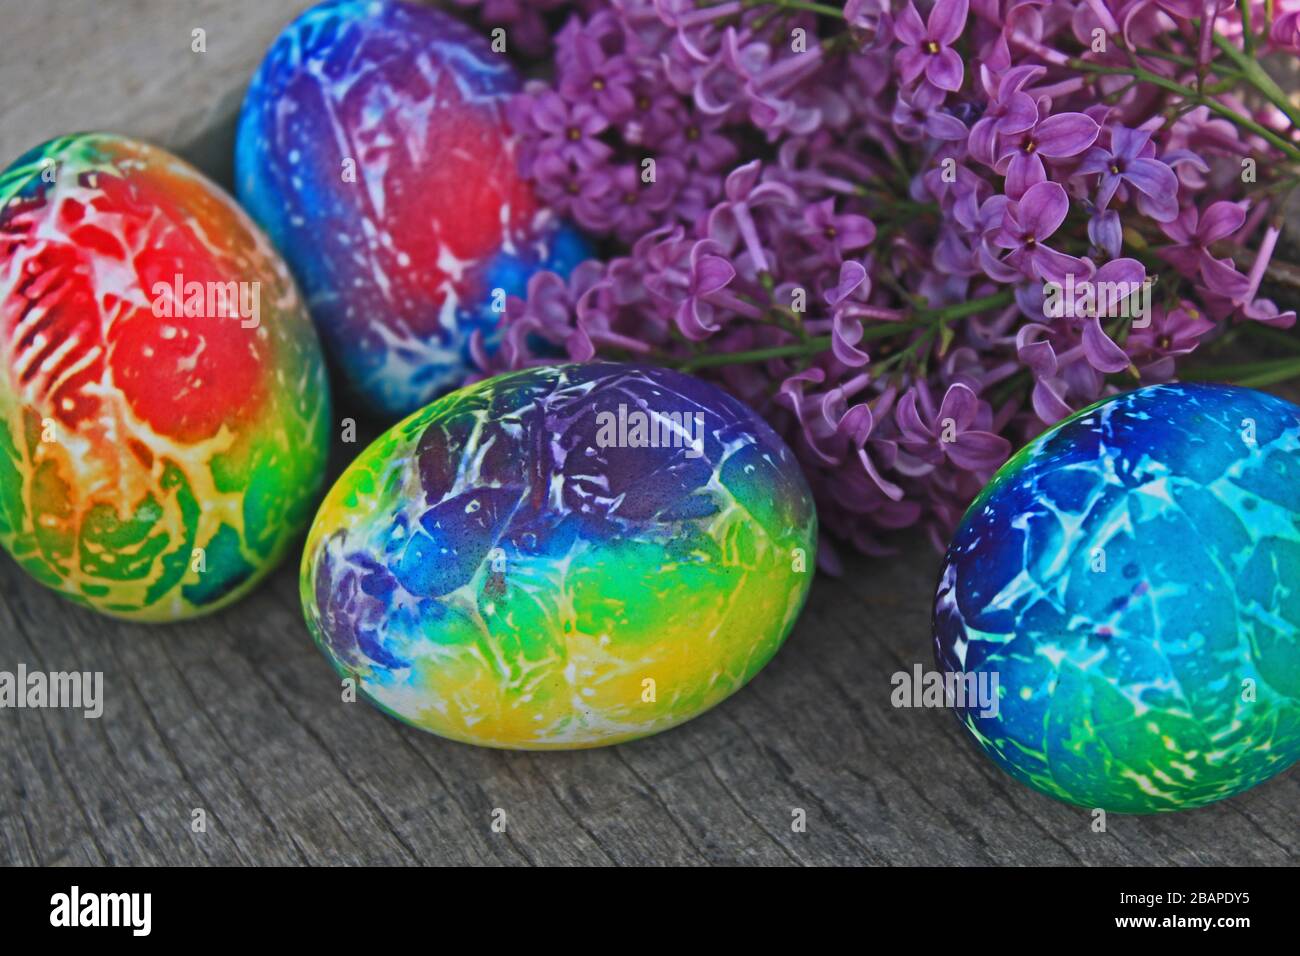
(129, 67)
(238, 715)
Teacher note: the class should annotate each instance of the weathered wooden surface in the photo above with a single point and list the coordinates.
(239, 715)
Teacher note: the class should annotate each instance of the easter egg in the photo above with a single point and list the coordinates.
(1128, 583)
(374, 150)
(561, 557)
(163, 400)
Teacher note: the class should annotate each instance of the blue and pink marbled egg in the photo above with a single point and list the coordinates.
(374, 151)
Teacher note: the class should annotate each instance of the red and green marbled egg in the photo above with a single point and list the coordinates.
(163, 401)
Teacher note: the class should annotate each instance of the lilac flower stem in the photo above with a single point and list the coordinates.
(927, 322)
(1062, 88)
(787, 72)
(880, 313)
(1107, 21)
(745, 223)
(707, 14)
(1033, 46)
(1247, 36)
(1207, 39)
(1255, 217)
(963, 309)
(1251, 375)
(729, 300)
(794, 350)
(822, 8)
(1266, 247)
(1193, 96)
(829, 183)
(1258, 78)
(856, 384)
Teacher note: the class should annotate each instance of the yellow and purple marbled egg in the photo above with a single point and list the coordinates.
(163, 402)
(562, 557)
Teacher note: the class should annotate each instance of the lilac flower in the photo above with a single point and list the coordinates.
(744, 194)
(957, 430)
(1130, 160)
(927, 47)
(1063, 376)
(747, 73)
(655, 114)
(1099, 348)
(1055, 137)
(709, 275)
(594, 77)
(586, 195)
(1266, 311)
(846, 329)
(916, 114)
(697, 140)
(814, 207)
(636, 201)
(1105, 231)
(835, 234)
(1194, 234)
(836, 433)
(1286, 31)
(1026, 227)
(524, 17)
(1010, 109)
(870, 22)
(1171, 333)
(570, 130)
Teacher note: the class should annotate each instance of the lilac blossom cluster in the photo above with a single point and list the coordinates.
(851, 216)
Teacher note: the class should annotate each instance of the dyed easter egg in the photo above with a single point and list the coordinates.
(1131, 579)
(163, 401)
(373, 149)
(562, 557)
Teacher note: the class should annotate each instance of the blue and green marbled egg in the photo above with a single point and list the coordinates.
(1132, 577)
(562, 557)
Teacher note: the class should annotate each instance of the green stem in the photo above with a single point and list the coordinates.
(1247, 38)
(927, 319)
(810, 347)
(1258, 77)
(962, 309)
(1270, 378)
(1190, 94)
(1275, 337)
(824, 9)
(1185, 61)
(1252, 374)
(1009, 386)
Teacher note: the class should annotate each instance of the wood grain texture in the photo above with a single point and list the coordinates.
(238, 714)
(126, 66)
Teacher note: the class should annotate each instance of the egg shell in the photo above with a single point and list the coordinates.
(163, 400)
(1132, 578)
(506, 568)
(374, 150)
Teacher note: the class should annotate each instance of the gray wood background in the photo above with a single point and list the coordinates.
(238, 714)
